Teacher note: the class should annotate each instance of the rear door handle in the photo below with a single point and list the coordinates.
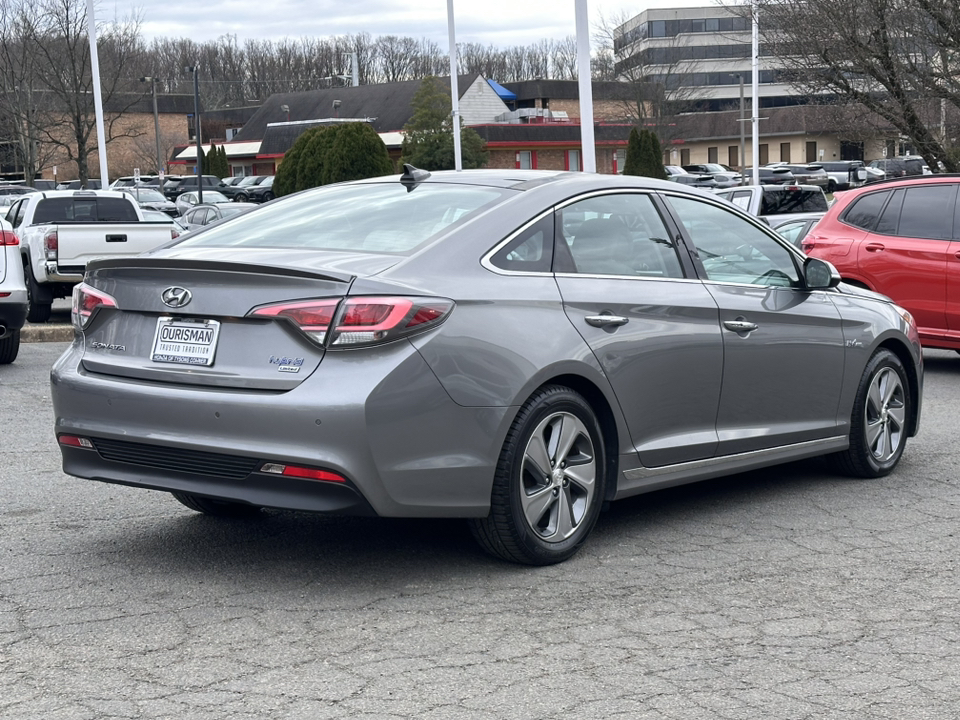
(739, 326)
(873, 247)
(605, 320)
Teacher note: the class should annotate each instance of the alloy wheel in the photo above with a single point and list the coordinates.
(557, 477)
(885, 414)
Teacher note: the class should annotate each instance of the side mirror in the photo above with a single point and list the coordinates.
(819, 274)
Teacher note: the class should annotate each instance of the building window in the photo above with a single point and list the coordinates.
(685, 156)
(619, 160)
(785, 152)
(733, 155)
(812, 151)
(526, 160)
(713, 155)
(764, 154)
(572, 161)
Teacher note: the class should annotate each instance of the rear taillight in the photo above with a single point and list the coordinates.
(8, 238)
(51, 244)
(75, 441)
(298, 471)
(360, 321)
(312, 316)
(174, 234)
(86, 301)
(370, 320)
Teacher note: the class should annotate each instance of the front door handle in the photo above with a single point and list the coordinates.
(740, 326)
(873, 247)
(600, 321)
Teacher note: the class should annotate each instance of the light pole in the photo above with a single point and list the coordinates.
(743, 152)
(196, 125)
(156, 121)
(286, 109)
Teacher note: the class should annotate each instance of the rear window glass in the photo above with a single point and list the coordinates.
(84, 209)
(792, 200)
(372, 218)
(865, 210)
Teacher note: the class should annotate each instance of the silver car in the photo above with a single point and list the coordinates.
(512, 347)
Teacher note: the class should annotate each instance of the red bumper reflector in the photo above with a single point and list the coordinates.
(74, 441)
(302, 472)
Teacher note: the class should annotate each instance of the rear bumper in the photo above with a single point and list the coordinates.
(379, 418)
(13, 311)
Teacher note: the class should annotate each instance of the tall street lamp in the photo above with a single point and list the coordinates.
(156, 120)
(196, 126)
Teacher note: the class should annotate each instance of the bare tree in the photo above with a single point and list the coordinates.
(57, 33)
(888, 57)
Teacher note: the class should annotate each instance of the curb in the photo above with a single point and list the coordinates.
(46, 333)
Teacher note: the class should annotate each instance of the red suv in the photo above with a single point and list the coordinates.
(900, 238)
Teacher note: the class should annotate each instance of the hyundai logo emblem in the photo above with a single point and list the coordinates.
(176, 297)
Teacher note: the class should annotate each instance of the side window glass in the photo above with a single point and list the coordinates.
(890, 219)
(732, 249)
(530, 251)
(619, 234)
(928, 212)
(741, 200)
(865, 210)
(12, 214)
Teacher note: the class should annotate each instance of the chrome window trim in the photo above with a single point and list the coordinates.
(486, 260)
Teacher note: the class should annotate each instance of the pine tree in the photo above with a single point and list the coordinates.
(632, 163)
(656, 158)
(201, 162)
(428, 136)
(285, 180)
(356, 152)
(314, 155)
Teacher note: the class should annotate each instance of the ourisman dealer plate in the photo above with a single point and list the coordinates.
(185, 342)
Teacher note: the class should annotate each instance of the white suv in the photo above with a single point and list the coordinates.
(13, 294)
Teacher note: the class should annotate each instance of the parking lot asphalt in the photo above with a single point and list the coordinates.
(785, 593)
(57, 329)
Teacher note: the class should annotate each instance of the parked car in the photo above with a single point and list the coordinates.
(9, 194)
(898, 238)
(13, 294)
(700, 181)
(176, 229)
(187, 200)
(724, 176)
(40, 184)
(771, 176)
(512, 347)
(844, 174)
(261, 192)
(206, 214)
(129, 181)
(91, 184)
(897, 167)
(151, 199)
(778, 202)
(240, 191)
(61, 231)
(811, 174)
(176, 185)
(794, 230)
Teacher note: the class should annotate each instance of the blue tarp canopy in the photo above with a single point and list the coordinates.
(500, 90)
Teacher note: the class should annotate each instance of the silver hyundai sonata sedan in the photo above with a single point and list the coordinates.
(512, 347)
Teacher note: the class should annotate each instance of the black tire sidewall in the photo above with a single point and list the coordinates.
(551, 401)
(881, 360)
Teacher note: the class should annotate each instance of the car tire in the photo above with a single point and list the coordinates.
(9, 347)
(218, 508)
(880, 419)
(542, 515)
(37, 312)
(831, 187)
(241, 197)
(268, 196)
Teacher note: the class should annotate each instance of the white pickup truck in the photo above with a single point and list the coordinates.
(61, 231)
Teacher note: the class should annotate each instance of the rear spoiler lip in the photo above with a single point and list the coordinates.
(220, 265)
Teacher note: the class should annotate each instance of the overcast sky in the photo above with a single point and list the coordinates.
(491, 22)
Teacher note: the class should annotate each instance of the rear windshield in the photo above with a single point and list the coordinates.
(374, 218)
(84, 209)
(792, 200)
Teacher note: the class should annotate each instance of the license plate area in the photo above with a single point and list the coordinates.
(185, 342)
